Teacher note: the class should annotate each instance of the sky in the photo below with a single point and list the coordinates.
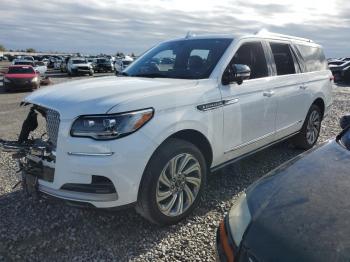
(108, 26)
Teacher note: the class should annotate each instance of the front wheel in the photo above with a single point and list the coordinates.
(310, 131)
(173, 183)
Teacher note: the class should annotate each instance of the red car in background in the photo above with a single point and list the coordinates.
(21, 77)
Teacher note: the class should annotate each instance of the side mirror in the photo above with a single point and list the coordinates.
(236, 73)
(344, 121)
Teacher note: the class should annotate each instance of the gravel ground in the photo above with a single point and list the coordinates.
(41, 230)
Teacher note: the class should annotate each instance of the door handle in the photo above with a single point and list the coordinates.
(268, 93)
(303, 87)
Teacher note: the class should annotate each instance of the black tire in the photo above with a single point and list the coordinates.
(301, 139)
(91, 73)
(147, 204)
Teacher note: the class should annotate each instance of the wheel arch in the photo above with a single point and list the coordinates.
(193, 136)
(320, 103)
(198, 139)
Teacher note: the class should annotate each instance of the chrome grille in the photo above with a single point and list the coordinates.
(52, 125)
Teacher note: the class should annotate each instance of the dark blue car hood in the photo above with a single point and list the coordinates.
(301, 210)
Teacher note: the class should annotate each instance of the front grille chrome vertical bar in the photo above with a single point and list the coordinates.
(52, 125)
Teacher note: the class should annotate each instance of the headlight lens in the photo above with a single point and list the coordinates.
(6, 80)
(105, 127)
(239, 218)
(35, 79)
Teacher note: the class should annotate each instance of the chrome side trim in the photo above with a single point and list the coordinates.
(289, 126)
(217, 104)
(78, 196)
(229, 162)
(250, 142)
(90, 154)
(231, 101)
(263, 137)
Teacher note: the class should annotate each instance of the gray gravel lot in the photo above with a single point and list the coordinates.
(41, 230)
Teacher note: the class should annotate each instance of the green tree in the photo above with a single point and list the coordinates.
(2, 48)
(30, 50)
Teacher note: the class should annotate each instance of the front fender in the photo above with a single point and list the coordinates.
(168, 122)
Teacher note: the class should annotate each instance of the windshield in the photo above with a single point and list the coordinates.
(80, 61)
(21, 70)
(24, 63)
(102, 61)
(184, 59)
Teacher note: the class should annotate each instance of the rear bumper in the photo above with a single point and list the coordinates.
(82, 71)
(21, 86)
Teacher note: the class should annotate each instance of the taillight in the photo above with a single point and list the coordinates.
(225, 243)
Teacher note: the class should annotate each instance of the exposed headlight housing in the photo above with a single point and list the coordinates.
(239, 218)
(110, 126)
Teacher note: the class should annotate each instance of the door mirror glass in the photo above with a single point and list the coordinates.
(344, 121)
(236, 73)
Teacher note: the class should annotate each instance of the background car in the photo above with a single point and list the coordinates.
(21, 77)
(79, 66)
(346, 74)
(40, 67)
(103, 65)
(23, 62)
(298, 212)
(337, 69)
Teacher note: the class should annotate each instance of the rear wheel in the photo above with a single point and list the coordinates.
(310, 131)
(173, 182)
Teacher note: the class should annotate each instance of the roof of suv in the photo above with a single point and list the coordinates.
(263, 34)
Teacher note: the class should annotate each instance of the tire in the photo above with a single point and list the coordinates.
(312, 124)
(91, 73)
(149, 204)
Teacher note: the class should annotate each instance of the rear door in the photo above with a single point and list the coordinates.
(287, 87)
(317, 77)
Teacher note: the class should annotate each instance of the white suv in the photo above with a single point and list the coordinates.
(79, 66)
(186, 107)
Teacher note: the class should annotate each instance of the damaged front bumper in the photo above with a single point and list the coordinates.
(36, 164)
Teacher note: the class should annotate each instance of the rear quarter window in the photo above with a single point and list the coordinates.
(313, 57)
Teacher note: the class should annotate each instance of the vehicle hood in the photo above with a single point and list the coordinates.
(101, 94)
(20, 75)
(301, 210)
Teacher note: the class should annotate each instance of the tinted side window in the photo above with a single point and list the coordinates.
(252, 55)
(314, 58)
(283, 58)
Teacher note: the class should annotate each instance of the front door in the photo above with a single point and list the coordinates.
(249, 111)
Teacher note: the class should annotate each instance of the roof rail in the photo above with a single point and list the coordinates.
(264, 32)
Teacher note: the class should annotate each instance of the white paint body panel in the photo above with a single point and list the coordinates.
(248, 123)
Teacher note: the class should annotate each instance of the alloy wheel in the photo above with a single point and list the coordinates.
(313, 127)
(178, 184)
